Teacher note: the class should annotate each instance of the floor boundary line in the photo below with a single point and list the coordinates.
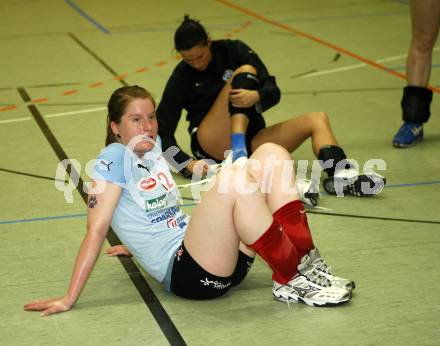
(316, 40)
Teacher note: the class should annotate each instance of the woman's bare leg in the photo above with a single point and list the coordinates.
(225, 218)
(292, 133)
(214, 132)
(425, 18)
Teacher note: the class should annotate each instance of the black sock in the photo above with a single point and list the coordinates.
(332, 152)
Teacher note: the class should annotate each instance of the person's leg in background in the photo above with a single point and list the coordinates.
(416, 100)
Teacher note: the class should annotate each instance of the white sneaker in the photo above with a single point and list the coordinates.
(310, 287)
(308, 191)
(228, 158)
(320, 265)
(240, 162)
(350, 182)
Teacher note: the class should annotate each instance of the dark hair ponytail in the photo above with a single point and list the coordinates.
(189, 34)
(117, 104)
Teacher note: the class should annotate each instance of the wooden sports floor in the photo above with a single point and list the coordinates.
(59, 63)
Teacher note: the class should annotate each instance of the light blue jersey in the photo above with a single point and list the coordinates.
(147, 218)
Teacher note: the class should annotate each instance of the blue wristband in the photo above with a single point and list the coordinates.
(238, 146)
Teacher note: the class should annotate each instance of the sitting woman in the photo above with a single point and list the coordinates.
(202, 257)
(225, 88)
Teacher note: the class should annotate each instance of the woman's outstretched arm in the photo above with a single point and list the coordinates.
(100, 210)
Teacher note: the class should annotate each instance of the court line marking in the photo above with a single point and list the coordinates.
(434, 182)
(46, 218)
(356, 66)
(56, 115)
(31, 175)
(84, 111)
(7, 121)
(309, 211)
(375, 217)
(83, 14)
(317, 40)
(116, 77)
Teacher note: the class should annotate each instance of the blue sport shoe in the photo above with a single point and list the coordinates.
(408, 134)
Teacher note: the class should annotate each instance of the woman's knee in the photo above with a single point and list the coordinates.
(270, 149)
(232, 179)
(319, 118)
(245, 68)
(424, 45)
(315, 121)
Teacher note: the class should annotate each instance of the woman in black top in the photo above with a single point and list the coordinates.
(224, 87)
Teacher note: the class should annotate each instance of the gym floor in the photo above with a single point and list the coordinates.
(60, 62)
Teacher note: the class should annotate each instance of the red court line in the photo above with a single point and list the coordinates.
(42, 100)
(317, 40)
(96, 85)
(69, 92)
(142, 69)
(7, 108)
(120, 77)
(124, 75)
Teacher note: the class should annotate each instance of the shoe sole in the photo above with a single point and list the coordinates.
(402, 145)
(309, 302)
(354, 189)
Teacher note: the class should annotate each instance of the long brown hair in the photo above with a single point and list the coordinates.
(117, 104)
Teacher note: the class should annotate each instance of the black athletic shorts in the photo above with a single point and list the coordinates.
(189, 280)
(256, 124)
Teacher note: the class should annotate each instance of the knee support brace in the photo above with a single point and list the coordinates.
(415, 104)
(244, 80)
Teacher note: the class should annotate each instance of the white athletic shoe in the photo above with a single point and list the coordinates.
(320, 265)
(240, 162)
(350, 182)
(228, 158)
(308, 191)
(310, 287)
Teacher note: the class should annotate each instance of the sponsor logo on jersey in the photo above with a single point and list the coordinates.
(172, 222)
(156, 203)
(147, 184)
(181, 221)
(168, 212)
(106, 164)
(164, 215)
(144, 167)
(227, 75)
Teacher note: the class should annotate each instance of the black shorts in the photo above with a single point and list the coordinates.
(189, 280)
(255, 125)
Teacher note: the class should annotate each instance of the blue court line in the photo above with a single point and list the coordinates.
(414, 184)
(69, 216)
(86, 16)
